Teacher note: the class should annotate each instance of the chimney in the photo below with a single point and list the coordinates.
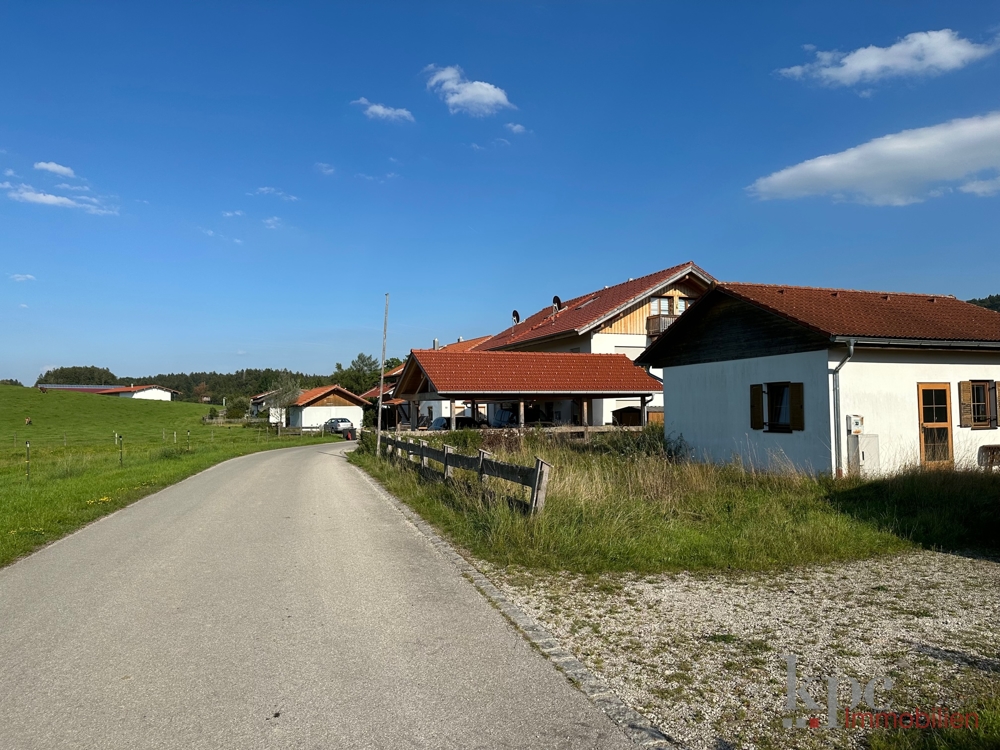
(459, 339)
(436, 347)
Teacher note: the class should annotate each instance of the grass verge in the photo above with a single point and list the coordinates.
(621, 508)
(984, 737)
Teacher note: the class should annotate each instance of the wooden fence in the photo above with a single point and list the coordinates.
(536, 477)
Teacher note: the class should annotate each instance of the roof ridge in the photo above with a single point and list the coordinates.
(738, 284)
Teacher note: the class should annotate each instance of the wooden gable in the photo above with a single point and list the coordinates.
(334, 399)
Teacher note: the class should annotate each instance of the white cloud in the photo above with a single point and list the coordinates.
(27, 194)
(209, 232)
(324, 168)
(920, 53)
(22, 277)
(275, 192)
(51, 166)
(23, 306)
(476, 98)
(66, 186)
(898, 169)
(501, 142)
(9, 173)
(381, 112)
(477, 147)
(232, 213)
(982, 188)
(238, 242)
(513, 127)
(272, 223)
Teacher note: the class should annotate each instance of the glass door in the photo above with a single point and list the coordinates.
(935, 424)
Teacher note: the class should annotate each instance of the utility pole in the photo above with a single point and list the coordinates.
(381, 382)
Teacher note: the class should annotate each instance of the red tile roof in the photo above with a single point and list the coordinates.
(876, 315)
(133, 389)
(372, 393)
(582, 313)
(316, 394)
(465, 345)
(527, 373)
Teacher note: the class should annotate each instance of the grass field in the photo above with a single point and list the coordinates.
(79, 469)
(619, 505)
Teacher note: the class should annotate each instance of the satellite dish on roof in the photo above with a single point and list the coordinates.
(557, 303)
(516, 316)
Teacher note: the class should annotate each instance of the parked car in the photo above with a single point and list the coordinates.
(503, 418)
(337, 425)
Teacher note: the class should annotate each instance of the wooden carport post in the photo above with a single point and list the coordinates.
(586, 419)
(520, 415)
(452, 406)
(414, 414)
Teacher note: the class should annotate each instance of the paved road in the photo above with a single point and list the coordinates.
(274, 601)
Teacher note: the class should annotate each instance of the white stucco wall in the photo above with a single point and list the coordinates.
(150, 394)
(881, 386)
(631, 345)
(709, 405)
(314, 416)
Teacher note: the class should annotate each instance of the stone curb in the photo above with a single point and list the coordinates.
(635, 726)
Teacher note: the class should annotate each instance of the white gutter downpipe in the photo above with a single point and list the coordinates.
(838, 450)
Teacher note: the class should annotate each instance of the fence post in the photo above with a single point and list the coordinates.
(448, 450)
(27, 458)
(482, 455)
(540, 486)
(121, 451)
(423, 454)
(409, 449)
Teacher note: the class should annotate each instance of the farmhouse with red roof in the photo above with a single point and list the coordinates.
(832, 380)
(620, 319)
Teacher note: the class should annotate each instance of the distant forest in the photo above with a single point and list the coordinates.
(211, 387)
(990, 303)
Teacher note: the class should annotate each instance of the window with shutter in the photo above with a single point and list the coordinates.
(757, 407)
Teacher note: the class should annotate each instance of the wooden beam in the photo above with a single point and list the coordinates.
(452, 406)
(520, 414)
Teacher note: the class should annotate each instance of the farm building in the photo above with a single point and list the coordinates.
(621, 319)
(317, 405)
(150, 392)
(832, 380)
(533, 387)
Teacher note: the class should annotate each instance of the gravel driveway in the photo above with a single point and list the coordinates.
(704, 656)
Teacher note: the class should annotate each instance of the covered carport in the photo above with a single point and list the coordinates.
(524, 379)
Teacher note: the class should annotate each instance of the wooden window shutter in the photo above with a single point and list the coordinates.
(757, 407)
(797, 402)
(996, 404)
(965, 403)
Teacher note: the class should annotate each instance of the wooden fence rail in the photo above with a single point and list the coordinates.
(535, 477)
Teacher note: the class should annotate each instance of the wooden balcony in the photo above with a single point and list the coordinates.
(657, 324)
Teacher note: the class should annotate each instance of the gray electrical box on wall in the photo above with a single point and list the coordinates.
(862, 454)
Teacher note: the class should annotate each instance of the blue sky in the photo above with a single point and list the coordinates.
(190, 187)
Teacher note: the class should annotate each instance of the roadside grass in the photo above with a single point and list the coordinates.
(75, 472)
(617, 505)
(985, 737)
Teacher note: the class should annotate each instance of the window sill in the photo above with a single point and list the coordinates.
(786, 430)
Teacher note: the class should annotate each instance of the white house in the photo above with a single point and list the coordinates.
(146, 392)
(621, 319)
(832, 380)
(317, 405)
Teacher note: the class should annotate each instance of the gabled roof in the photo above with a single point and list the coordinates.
(372, 393)
(512, 374)
(586, 312)
(262, 396)
(825, 316)
(464, 345)
(317, 394)
(133, 389)
(873, 315)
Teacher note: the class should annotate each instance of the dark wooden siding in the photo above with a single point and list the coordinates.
(719, 328)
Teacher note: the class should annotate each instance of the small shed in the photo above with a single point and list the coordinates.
(317, 405)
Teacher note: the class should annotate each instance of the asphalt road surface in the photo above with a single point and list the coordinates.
(273, 601)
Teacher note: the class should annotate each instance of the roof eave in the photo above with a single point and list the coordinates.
(881, 342)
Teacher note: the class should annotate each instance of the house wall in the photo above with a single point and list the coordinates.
(314, 416)
(150, 394)
(631, 345)
(709, 405)
(881, 386)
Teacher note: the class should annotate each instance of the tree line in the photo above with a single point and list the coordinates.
(359, 376)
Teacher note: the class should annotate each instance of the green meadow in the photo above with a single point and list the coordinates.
(91, 455)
